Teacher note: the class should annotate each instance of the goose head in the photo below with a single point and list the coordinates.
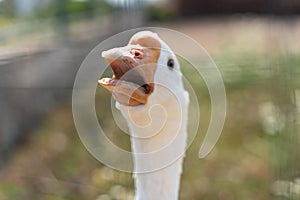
(143, 71)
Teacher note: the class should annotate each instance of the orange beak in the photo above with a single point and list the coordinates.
(132, 82)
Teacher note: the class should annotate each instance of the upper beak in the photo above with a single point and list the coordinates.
(121, 60)
(113, 54)
(130, 53)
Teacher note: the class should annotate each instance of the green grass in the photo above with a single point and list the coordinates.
(4, 21)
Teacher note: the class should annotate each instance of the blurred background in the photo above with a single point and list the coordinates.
(255, 44)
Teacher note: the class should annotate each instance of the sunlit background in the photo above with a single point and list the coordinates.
(255, 44)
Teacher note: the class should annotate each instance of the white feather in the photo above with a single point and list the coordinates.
(163, 123)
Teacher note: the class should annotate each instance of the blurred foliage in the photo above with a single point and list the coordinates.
(155, 13)
(257, 148)
(243, 165)
(56, 21)
(70, 7)
(6, 8)
(59, 8)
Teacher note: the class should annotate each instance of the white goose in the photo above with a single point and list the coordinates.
(147, 85)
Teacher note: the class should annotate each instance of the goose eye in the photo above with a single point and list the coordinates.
(171, 63)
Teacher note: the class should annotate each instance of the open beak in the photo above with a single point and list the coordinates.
(132, 82)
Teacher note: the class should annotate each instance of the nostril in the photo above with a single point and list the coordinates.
(137, 53)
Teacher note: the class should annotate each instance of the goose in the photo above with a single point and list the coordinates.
(149, 92)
